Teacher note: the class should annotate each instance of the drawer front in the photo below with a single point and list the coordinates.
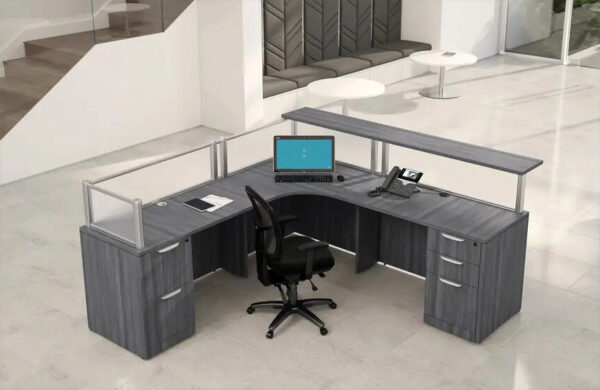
(167, 269)
(454, 246)
(170, 314)
(454, 269)
(450, 301)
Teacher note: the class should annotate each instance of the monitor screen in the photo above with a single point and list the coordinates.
(304, 153)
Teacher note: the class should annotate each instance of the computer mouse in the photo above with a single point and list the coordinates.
(340, 178)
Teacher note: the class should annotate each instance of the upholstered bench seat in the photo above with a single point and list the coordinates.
(406, 47)
(343, 65)
(274, 86)
(377, 56)
(303, 75)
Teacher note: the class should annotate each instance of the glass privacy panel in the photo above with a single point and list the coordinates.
(252, 148)
(457, 176)
(112, 215)
(160, 180)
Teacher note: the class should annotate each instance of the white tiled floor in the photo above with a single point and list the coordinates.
(377, 337)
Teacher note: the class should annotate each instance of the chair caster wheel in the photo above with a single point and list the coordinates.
(333, 305)
(270, 334)
(323, 331)
(250, 310)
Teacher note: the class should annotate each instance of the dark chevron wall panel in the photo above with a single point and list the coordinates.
(282, 34)
(355, 29)
(321, 31)
(387, 20)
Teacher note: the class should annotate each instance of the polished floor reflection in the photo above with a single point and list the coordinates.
(377, 338)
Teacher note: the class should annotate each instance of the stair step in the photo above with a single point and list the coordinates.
(26, 68)
(64, 50)
(36, 87)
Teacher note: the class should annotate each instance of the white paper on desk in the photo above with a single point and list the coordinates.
(218, 202)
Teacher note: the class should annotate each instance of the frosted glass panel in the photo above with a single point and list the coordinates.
(163, 179)
(254, 147)
(112, 214)
(457, 176)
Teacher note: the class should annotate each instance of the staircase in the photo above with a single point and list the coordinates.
(47, 60)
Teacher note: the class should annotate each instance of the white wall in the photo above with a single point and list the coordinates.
(422, 21)
(528, 21)
(120, 94)
(462, 25)
(230, 43)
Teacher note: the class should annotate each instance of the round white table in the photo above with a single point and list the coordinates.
(346, 88)
(438, 58)
(126, 8)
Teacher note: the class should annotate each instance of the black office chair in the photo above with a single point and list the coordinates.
(287, 261)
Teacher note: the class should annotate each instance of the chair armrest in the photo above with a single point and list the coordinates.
(284, 220)
(310, 248)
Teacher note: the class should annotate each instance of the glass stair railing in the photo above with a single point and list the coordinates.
(40, 41)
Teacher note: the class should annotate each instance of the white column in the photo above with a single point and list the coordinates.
(230, 50)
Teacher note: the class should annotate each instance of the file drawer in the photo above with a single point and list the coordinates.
(170, 314)
(454, 246)
(450, 301)
(166, 269)
(448, 267)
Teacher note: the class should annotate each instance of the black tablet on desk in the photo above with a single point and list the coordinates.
(198, 204)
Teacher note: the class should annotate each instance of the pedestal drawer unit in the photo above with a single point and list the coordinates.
(473, 287)
(141, 301)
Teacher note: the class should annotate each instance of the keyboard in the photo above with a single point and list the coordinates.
(405, 190)
(303, 178)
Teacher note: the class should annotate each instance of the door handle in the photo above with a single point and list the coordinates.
(453, 238)
(171, 294)
(168, 248)
(450, 283)
(451, 261)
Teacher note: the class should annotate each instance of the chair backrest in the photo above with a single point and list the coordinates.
(269, 237)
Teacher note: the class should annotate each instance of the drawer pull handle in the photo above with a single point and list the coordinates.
(168, 248)
(451, 261)
(453, 238)
(171, 294)
(450, 283)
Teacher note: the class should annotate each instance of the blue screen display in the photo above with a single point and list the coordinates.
(304, 154)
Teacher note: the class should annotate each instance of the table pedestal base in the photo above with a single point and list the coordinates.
(434, 93)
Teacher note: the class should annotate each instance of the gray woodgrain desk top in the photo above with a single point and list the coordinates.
(463, 217)
(479, 155)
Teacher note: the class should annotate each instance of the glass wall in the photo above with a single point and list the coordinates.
(537, 27)
(585, 25)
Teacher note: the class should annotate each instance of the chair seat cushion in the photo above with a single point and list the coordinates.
(293, 262)
(378, 56)
(343, 65)
(406, 47)
(303, 75)
(274, 86)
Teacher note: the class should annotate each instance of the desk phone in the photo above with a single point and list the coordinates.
(394, 184)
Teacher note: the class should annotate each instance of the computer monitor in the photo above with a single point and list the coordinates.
(303, 154)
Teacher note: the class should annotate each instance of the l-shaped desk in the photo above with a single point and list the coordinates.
(471, 253)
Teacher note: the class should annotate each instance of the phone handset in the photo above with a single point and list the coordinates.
(394, 173)
(390, 177)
